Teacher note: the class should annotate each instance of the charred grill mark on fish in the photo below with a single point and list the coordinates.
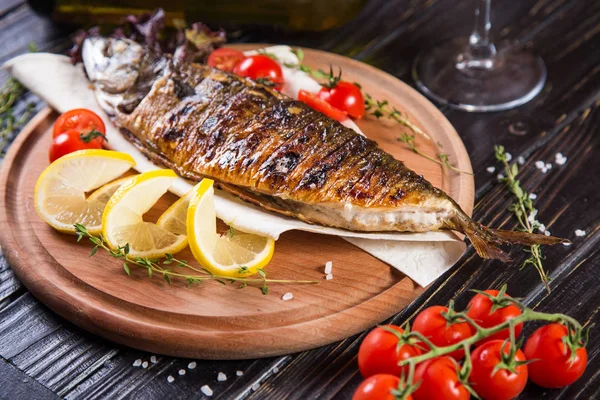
(270, 150)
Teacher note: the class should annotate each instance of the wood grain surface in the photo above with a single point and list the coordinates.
(212, 321)
(387, 34)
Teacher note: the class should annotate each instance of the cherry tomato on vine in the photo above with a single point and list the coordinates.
(80, 119)
(553, 364)
(379, 352)
(432, 324)
(439, 380)
(321, 105)
(378, 387)
(479, 309)
(225, 58)
(345, 96)
(497, 384)
(68, 142)
(261, 68)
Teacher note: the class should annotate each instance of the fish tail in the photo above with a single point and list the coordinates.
(487, 241)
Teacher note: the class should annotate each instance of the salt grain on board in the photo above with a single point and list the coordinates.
(206, 390)
(137, 363)
(275, 370)
(579, 232)
(256, 386)
(221, 377)
(521, 160)
(328, 267)
(170, 379)
(239, 373)
(540, 164)
(182, 372)
(153, 360)
(532, 196)
(500, 177)
(329, 277)
(490, 169)
(192, 365)
(145, 364)
(287, 296)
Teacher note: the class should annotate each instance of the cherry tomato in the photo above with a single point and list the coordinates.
(225, 59)
(551, 366)
(80, 119)
(378, 387)
(379, 353)
(321, 105)
(501, 384)
(479, 309)
(439, 380)
(434, 327)
(68, 142)
(345, 96)
(260, 66)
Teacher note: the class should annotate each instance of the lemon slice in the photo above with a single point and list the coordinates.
(122, 221)
(174, 218)
(104, 193)
(234, 255)
(60, 190)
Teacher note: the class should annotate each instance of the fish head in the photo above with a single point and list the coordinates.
(112, 65)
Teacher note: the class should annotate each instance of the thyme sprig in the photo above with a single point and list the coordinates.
(524, 211)
(443, 158)
(159, 265)
(9, 122)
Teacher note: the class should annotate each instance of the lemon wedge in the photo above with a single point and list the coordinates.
(232, 255)
(122, 221)
(60, 191)
(104, 193)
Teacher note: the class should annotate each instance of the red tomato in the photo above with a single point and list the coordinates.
(345, 96)
(379, 353)
(479, 309)
(80, 119)
(501, 384)
(225, 59)
(434, 327)
(320, 105)
(439, 380)
(260, 67)
(68, 142)
(551, 366)
(378, 387)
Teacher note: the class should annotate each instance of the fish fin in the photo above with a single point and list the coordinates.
(486, 240)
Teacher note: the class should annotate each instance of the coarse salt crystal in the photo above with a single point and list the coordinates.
(170, 379)
(182, 372)
(239, 373)
(544, 170)
(532, 196)
(579, 232)
(329, 277)
(542, 228)
(567, 244)
(521, 160)
(558, 155)
(153, 360)
(137, 363)
(287, 296)
(206, 390)
(490, 169)
(561, 161)
(547, 233)
(500, 177)
(192, 365)
(256, 386)
(540, 164)
(275, 370)
(328, 267)
(508, 156)
(221, 377)
(548, 166)
(145, 364)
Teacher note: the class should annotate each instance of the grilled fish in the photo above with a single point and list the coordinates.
(269, 149)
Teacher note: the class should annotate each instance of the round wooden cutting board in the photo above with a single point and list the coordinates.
(211, 320)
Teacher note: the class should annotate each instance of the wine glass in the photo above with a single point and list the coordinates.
(472, 75)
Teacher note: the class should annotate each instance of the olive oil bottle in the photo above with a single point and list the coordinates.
(304, 15)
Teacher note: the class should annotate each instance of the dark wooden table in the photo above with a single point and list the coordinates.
(44, 356)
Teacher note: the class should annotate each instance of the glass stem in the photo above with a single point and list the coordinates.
(481, 52)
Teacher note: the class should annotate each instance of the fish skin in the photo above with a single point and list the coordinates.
(269, 149)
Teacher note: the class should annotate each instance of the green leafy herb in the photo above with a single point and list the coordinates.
(524, 211)
(158, 265)
(9, 122)
(268, 82)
